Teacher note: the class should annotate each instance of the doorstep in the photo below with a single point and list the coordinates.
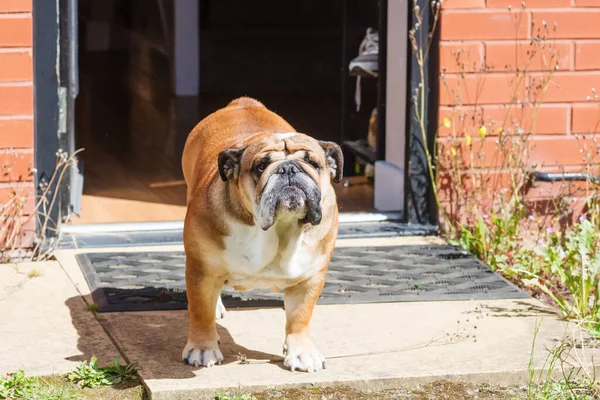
(366, 345)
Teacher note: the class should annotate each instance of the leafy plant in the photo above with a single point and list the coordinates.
(15, 385)
(90, 375)
(566, 267)
(18, 386)
(234, 395)
(120, 372)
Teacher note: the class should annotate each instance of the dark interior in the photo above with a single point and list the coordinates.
(292, 56)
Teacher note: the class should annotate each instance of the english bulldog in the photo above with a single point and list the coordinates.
(261, 214)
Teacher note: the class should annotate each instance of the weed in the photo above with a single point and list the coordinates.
(92, 307)
(481, 171)
(34, 273)
(15, 216)
(91, 376)
(575, 383)
(234, 394)
(18, 386)
(566, 267)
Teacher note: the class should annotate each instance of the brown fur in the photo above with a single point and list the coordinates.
(212, 202)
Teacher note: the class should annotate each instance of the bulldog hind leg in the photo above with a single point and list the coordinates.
(221, 310)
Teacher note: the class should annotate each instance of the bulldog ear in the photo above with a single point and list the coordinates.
(335, 160)
(229, 163)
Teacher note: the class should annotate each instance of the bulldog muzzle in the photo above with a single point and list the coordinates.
(292, 191)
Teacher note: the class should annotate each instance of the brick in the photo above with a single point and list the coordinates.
(457, 189)
(461, 57)
(549, 190)
(463, 121)
(587, 55)
(469, 25)
(16, 31)
(16, 166)
(507, 56)
(8, 6)
(26, 233)
(568, 87)
(16, 100)
(587, 3)
(586, 118)
(483, 153)
(463, 4)
(516, 4)
(16, 133)
(571, 24)
(24, 191)
(562, 150)
(549, 151)
(549, 119)
(16, 67)
(480, 89)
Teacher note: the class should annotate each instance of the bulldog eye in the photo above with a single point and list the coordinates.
(315, 164)
(260, 167)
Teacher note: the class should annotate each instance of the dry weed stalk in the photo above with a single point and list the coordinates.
(14, 219)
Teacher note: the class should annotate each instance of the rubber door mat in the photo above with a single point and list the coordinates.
(139, 281)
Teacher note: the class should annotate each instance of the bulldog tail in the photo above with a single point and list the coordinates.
(245, 102)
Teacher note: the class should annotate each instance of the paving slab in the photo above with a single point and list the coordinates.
(366, 345)
(45, 327)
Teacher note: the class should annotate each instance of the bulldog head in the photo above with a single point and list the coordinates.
(283, 176)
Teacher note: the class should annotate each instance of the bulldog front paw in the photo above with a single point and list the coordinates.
(220, 311)
(301, 354)
(200, 357)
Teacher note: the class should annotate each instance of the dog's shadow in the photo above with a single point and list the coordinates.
(153, 339)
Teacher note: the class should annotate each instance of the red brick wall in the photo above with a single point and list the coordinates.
(487, 33)
(16, 102)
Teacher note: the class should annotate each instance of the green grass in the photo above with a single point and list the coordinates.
(87, 381)
(18, 386)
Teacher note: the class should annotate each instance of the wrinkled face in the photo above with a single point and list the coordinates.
(283, 176)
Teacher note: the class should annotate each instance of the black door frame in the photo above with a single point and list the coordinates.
(420, 206)
(46, 100)
(56, 86)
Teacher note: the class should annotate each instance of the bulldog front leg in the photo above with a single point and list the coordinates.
(202, 348)
(299, 301)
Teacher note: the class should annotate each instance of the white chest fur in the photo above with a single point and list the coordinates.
(271, 259)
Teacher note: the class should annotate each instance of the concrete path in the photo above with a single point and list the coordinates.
(46, 327)
(371, 345)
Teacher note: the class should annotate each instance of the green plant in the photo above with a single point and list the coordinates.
(15, 385)
(92, 307)
(18, 386)
(90, 375)
(494, 239)
(575, 383)
(566, 267)
(234, 394)
(481, 172)
(34, 273)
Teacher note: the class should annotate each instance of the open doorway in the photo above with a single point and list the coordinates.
(132, 119)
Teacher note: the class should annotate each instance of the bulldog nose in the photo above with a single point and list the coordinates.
(287, 169)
